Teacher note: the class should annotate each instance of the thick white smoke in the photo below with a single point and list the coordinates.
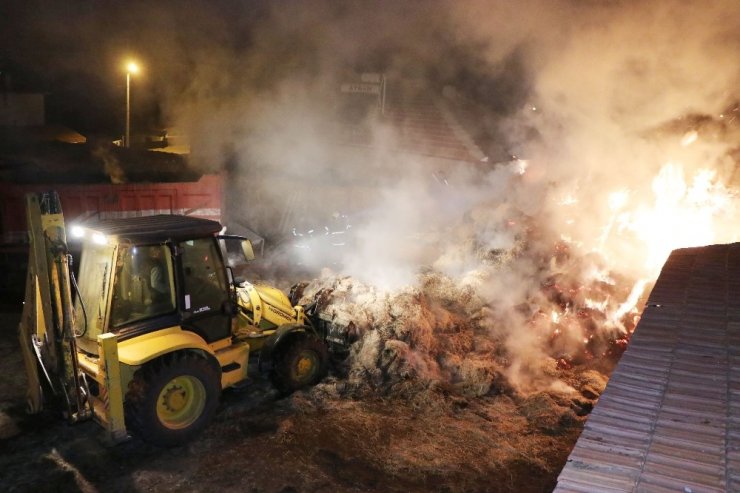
(623, 115)
(598, 101)
(599, 82)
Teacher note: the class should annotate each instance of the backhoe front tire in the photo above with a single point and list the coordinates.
(171, 399)
(301, 363)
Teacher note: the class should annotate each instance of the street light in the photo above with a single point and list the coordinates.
(131, 68)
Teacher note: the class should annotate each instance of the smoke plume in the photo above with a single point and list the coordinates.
(601, 122)
(607, 134)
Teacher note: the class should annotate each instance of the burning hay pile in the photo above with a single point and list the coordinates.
(416, 339)
(452, 337)
(443, 380)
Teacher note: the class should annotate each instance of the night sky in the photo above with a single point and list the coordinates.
(195, 50)
(638, 63)
(75, 51)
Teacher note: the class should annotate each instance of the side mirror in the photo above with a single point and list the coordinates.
(229, 308)
(248, 250)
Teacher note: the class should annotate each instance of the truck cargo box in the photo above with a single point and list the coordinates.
(201, 198)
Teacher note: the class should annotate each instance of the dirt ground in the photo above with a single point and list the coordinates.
(312, 441)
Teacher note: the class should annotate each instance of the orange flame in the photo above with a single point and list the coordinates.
(682, 214)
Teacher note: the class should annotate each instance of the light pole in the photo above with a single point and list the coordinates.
(131, 68)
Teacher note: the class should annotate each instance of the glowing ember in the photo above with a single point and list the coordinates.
(597, 305)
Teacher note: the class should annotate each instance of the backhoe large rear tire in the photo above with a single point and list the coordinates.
(299, 364)
(171, 399)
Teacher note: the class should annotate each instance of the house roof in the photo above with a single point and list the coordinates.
(58, 133)
(416, 120)
(426, 125)
(669, 419)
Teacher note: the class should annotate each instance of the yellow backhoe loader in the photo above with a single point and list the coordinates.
(158, 326)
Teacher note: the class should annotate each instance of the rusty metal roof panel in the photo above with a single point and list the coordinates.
(643, 374)
(634, 406)
(602, 421)
(651, 481)
(593, 479)
(619, 414)
(672, 451)
(614, 432)
(682, 472)
(626, 458)
(669, 419)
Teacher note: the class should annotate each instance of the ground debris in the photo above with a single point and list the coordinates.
(441, 390)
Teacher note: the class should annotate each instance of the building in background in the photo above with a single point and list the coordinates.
(18, 109)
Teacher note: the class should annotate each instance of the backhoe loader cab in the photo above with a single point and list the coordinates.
(140, 275)
(158, 326)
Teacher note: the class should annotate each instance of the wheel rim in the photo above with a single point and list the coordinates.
(305, 366)
(181, 402)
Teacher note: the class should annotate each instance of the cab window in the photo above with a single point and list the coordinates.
(204, 279)
(143, 285)
(94, 278)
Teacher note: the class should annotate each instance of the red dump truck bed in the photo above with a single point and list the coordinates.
(201, 198)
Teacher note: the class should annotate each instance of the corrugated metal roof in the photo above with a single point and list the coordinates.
(669, 419)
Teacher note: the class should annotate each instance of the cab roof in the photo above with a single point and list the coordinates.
(154, 229)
